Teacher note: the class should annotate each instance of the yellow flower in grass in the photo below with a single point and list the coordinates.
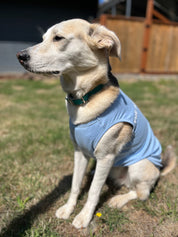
(98, 214)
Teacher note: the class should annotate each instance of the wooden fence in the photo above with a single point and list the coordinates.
(161, 53)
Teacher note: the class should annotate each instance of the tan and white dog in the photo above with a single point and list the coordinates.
(78, 51)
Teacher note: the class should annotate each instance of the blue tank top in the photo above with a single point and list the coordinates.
(143, 145)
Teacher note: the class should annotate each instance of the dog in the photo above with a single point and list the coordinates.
(104, 122)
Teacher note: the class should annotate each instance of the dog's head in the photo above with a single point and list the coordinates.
(73, 45)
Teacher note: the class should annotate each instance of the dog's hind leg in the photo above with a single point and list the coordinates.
(142, 192)
(119, 201)
(144, 175)
(142, 178)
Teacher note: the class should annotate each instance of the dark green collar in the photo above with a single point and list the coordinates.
(85, 98)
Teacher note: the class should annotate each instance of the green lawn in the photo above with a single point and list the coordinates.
(36, 163)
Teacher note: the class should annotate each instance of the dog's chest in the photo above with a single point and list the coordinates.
(89, 134)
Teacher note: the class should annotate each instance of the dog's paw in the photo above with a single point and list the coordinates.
(119, 201)
(82, 220)
(64, 212)
(116, 202)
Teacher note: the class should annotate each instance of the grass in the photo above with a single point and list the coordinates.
(36, 163)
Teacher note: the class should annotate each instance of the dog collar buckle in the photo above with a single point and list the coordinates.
(76, 101)
(70, 101)
(84, 98)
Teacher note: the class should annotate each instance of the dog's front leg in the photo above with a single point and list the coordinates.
(102, 170)
(80, 164)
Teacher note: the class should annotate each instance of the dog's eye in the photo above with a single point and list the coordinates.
(57, 38)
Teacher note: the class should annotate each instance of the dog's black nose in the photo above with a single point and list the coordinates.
(23, 56)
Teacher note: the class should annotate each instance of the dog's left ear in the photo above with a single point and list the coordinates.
(102, 38)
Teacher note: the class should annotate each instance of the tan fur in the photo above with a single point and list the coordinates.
(78, 51)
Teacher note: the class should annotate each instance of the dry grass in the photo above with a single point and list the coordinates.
(36, 164)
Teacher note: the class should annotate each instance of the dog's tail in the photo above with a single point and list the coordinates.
(168, 160)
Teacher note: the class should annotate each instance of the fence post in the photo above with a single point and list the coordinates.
(146, 34)
(103, 19)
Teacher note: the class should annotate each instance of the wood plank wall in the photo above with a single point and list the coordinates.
(162, 51)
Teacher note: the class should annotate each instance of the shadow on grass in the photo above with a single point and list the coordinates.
(20, 224)
(23, 222)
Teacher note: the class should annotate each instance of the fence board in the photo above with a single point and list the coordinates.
(130, 34)
(163, 49)
(162, 54)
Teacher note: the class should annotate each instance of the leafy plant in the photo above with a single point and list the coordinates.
(22, 203)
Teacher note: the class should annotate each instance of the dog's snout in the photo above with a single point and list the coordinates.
(23, 56)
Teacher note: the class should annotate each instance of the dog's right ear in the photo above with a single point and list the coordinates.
(102, 38)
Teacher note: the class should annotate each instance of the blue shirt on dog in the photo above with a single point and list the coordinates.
(143, 145)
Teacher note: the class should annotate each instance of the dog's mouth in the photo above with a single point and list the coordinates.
(56, 73)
